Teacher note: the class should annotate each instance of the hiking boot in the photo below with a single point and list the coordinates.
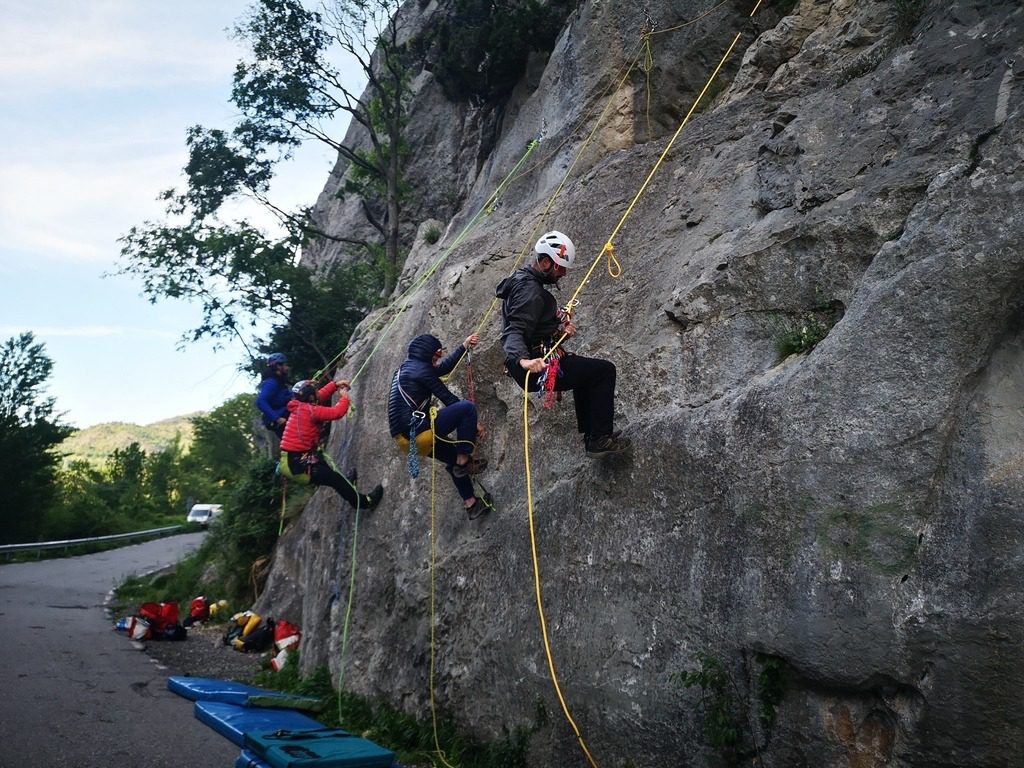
(374, 497)
(604, 444)
(471, 467)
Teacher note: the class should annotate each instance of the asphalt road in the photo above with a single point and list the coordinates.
(73, 692)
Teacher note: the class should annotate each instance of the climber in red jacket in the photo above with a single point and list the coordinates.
(301, 457)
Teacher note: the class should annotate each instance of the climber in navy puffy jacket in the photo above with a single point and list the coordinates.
(416, 382)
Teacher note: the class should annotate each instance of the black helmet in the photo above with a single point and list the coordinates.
(304, 391)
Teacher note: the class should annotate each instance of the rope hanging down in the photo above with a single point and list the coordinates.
(486, 208)
(614, 269)
(417, 284)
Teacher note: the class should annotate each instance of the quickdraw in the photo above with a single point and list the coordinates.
(470, 384)
(414, 457)
(548, 382)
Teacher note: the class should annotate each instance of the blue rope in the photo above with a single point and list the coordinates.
(414, 457)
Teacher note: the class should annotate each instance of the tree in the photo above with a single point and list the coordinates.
(29, 433)
(290, 88)
(222, 449)
(286, 92)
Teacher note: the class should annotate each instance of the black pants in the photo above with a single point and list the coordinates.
(592, 382)
(320, 473)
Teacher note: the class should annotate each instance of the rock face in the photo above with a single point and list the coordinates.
(852, 514)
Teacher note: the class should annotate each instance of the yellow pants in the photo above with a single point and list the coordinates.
(424, 443)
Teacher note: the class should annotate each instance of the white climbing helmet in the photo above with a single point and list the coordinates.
(557, 247)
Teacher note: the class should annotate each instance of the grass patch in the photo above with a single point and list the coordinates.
(799, 332)
(411, 739)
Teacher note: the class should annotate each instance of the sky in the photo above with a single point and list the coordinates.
(95, 101)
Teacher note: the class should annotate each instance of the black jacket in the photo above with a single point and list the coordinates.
(529, 315)
(417, 380)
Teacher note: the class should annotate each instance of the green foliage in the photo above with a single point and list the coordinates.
(234, 273)
(722, 725)
(726, 705)
(800, 335)
(30, 433)
(286, 91)
(432, 235)
(247, 528)
(324, 314)
(221, 451)
(771, 688)
(485, 44)
(801, 332)
(412, 740)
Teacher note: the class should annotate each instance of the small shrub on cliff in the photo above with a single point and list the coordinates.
(727, 704)
(485, 44)
(802, 331)
(906, 14)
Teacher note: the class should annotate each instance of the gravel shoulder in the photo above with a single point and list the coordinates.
(203, 654)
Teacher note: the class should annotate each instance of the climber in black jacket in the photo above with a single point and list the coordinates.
(531, 325)
(415, 383)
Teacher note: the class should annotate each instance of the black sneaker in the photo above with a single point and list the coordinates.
(374, 497)
(605, 444)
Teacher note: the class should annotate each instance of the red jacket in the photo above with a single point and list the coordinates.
(302, 432)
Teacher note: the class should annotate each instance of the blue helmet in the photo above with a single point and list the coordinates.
(277, 358)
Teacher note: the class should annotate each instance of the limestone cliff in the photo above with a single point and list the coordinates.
(850, 514)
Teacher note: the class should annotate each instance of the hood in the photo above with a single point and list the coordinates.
(423, 347)
(521, 274)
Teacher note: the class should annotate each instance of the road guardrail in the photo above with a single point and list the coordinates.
(39, 546)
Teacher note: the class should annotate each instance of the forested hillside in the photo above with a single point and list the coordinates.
(95, 444)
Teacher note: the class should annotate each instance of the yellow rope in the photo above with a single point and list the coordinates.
(485, 209)
(561, 184)
(433, 587)
(614, 269)
(609, 248)
(284, 501)
(536, 571)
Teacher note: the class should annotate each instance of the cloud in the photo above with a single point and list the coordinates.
(59, 45)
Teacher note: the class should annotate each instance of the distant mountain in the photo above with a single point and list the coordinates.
(94, 444)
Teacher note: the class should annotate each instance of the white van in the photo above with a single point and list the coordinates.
(203, 513)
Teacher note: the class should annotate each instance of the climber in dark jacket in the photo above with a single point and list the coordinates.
(415, 383)
(274, 394)
(531, 325)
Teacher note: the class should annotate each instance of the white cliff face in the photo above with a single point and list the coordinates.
(853, 510)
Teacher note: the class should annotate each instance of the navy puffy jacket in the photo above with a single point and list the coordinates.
(419, 380)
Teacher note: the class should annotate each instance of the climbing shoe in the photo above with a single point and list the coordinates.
(374, 497)
(605, 444)
(477, 508)
(471, 467)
